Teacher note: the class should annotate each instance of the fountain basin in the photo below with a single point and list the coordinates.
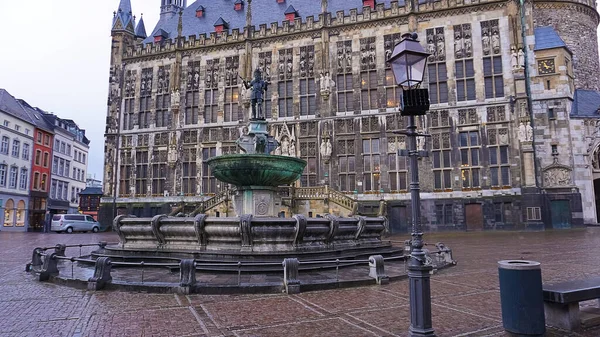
(256, 169)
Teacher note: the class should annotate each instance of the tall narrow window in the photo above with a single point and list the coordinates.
(368, 74)
(211, 91)
(232, 91)
(25, 153)
(285, 87)
(163, 97)
(492, 59)
(125, 174)
(499, 157)
(441, 153)
(145, 98)
(14, 174)
(308, 96)
(346, 165)
(209, 182)
(371, 164)
(43, 182)
(192, 95)
(391, 88)
(465, 72)
(127, 114)
(436, 67)
(469, 155)
(38, 157)
(265, 60)
(189, 181)
(308, 152)
(159, 172)
(4, 145)
(141, 169)
(16, 148)
(46, 159)
(344, 84)
(23, 179)
(397, 169)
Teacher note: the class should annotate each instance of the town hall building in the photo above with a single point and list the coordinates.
(513, 123)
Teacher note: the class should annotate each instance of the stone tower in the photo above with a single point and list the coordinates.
(123, 34)
(576, 23)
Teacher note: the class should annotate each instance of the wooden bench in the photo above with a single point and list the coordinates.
(561, 303)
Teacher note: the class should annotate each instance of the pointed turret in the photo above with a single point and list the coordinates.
(140, 30)
(123, 17)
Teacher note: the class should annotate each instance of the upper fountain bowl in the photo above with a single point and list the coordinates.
(256, 169)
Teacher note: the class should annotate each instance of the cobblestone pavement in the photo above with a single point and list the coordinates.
(466, 300)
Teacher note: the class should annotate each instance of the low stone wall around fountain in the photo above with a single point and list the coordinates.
(248, 234)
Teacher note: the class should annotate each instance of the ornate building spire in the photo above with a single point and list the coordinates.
(140, 30)
(123, 17)
(249, 14)
(323, 6)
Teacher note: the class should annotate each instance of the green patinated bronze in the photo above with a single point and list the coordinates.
(256, 169)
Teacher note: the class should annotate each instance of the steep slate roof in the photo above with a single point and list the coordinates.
(263, 12)
(140, 30)
(586, 103)
(91, 191)
(10, 105)
(124, 15)
(37, 116)
(547, 38)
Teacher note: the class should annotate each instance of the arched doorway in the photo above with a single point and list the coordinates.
(9, 210)
(21, 214)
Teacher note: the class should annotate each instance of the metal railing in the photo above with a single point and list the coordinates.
(45, 264)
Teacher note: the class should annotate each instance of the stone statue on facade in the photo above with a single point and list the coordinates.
(521, 57)
(326, 84)
(529, 132)
(522, 132)
(292, 152)
(259, 89)
(514, 59)
(175, 98)
(326, 149)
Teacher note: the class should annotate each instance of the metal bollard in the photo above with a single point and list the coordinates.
(377, 270)
(60, 249)
(290, 275)
(101, 274)
(36, 257)
(187, 273)
(50, 267)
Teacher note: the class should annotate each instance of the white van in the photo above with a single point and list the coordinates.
(74, 223)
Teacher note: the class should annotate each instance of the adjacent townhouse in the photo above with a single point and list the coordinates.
(17, 132)
(69, 165)
(40, 169)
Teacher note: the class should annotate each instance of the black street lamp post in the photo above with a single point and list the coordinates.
(408, 65)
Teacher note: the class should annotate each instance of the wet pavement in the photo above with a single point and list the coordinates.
(466, 298)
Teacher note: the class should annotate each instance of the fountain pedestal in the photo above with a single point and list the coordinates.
(258, 201)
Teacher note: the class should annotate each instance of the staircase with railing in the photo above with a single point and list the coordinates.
(327, 193)
(208, 204)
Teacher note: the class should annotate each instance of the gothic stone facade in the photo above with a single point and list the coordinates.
(503, 150)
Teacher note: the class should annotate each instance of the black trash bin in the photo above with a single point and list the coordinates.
(521, 297)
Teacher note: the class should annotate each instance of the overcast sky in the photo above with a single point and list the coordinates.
(55, 54)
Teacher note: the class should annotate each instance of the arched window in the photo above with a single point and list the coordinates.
(21, 214)
(9, 210)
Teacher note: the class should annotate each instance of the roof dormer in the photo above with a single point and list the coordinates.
(221, 25)
(160, 35)
(200, 11)
(238, 5)
(291, 13)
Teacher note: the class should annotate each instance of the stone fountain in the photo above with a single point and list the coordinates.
(256, 233)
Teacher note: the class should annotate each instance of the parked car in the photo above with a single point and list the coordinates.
(74, 223)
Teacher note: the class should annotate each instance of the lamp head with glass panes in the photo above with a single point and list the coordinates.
(408, 63)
